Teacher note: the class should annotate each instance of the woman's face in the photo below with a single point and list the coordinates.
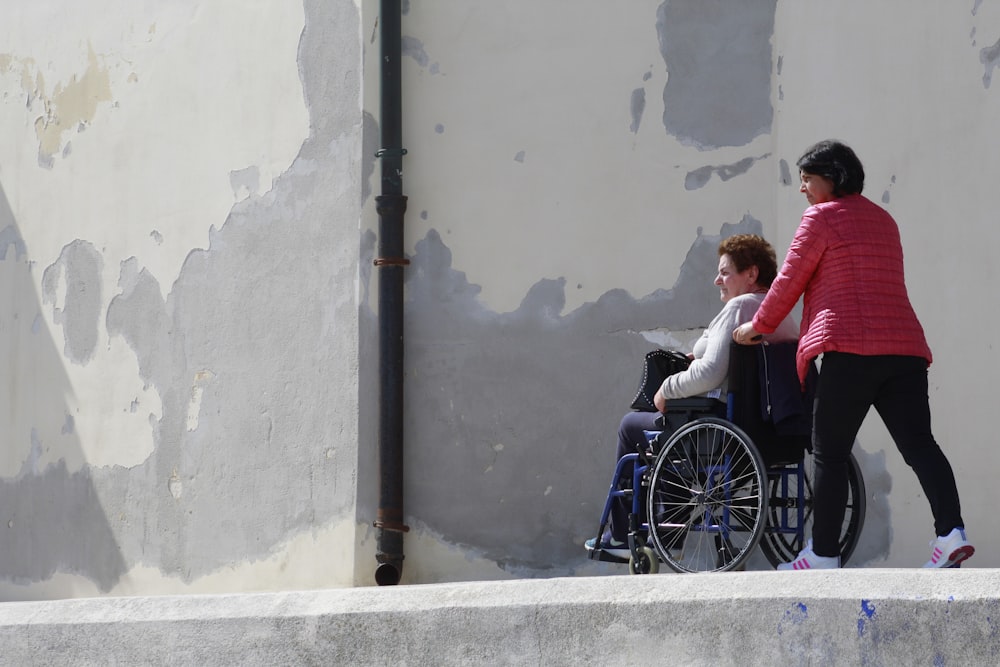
(817, 189)
(734, 283)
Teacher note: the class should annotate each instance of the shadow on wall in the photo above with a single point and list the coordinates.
(51, 519)
(876, 536)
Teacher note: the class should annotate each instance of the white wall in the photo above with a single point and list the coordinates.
(537, 192)
(180, 195)
(187, 224)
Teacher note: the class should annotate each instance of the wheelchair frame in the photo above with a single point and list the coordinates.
(706, 498)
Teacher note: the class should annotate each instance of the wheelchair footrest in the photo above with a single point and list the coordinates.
(604, 556)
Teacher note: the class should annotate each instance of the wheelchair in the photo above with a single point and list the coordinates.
(734, 476)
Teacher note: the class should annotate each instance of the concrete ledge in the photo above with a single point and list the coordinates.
(864, 616)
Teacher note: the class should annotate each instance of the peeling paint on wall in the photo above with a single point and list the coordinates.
(78, 273)
(521, 406)
(718, 57)
(990, 58)
(636, 107)
(698, 178)
(784, 172)
(245, 350)
(68, 108)
(414, 48)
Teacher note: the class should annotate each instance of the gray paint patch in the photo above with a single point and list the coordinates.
(885, 193)
(370, 145)
(874, 544)
(54, 521)
(698, 178)
(516, 412)
(414, 48)
(990, 57)
(11, 236)
(636, 107)
(80, 266)
(45, 161)
(784, 173)
(245, 182)
(718, 56)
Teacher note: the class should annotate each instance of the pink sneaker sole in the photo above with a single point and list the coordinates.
(959, 555)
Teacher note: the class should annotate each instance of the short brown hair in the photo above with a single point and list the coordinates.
(748, 250)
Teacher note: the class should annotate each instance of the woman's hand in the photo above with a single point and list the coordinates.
(659, 401)
(745, 334)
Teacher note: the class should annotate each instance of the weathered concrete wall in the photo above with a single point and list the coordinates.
(853, 617)
(181, 194)
(569, 173)
(187, 225)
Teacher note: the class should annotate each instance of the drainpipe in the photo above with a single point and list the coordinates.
(391, 205)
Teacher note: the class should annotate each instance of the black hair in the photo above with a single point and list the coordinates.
(836, 161)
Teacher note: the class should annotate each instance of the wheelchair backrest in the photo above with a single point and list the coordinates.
(767, 401)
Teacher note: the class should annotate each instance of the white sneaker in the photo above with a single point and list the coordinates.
(950, 550)
(608, 545)
(807, 560)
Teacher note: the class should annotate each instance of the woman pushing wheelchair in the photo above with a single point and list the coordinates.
(747, 267)
(847, 260)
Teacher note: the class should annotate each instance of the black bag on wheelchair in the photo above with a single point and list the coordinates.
(657, 365)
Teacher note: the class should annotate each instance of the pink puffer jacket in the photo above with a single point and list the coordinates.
(847, 259)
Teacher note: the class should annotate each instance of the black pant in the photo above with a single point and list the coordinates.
(849, 384)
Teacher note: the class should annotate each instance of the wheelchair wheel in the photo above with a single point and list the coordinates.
(784, 535)
(646, 563)
(707, 496)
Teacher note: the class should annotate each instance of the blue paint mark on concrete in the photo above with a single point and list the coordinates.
(794, 616)
(867, 614)
(797, 614)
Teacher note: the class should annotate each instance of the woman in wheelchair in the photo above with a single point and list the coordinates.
(747, 266)
(847, 260)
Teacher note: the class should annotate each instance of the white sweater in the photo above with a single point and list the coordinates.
(710, 367)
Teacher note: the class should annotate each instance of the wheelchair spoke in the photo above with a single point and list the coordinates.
(706, 497)
(788, 530)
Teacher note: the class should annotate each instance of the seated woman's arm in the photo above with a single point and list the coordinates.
(709, 371)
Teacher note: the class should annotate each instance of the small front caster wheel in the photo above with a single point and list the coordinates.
(646, 563)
